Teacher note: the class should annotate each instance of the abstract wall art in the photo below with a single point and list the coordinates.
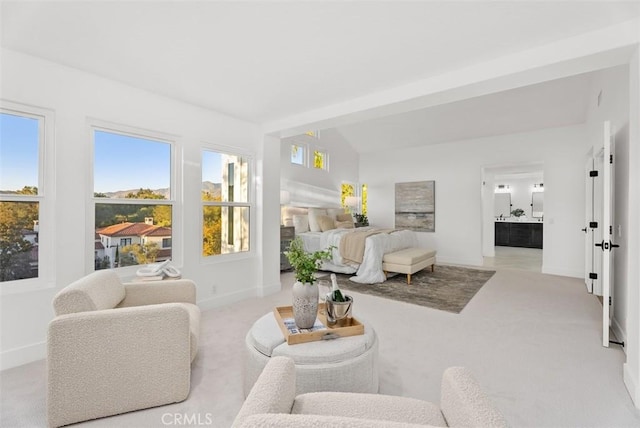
(416, 206)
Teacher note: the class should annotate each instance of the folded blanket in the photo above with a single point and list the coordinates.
(352, 244)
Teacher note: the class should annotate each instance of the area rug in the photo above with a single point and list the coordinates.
(447, 288)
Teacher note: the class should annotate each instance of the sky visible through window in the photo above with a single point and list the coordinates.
(18, 152)
(124, 162)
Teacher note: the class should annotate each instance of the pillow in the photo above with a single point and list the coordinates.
(301, 223)
(344, 217)
(345, 225)
(313, 215)
(326, 223)
(334, 212)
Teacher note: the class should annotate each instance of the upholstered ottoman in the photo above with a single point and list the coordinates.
(408, 261)
(346, 364)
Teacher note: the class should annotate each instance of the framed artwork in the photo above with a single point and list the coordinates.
(416, 206)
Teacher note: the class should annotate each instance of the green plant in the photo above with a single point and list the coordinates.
(361, 219)
(304, 264)
(517, 212)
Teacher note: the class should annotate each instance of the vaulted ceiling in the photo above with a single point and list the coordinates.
(265, 61)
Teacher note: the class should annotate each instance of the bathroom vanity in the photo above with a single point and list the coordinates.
(518, 233)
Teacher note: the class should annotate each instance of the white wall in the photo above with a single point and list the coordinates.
(75, 96)
(632, 344)
(343, 161)
(612, 85)
(457, 169)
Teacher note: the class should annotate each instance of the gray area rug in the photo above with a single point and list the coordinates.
(448, 288)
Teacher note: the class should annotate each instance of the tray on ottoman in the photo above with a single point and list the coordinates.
(320, 331)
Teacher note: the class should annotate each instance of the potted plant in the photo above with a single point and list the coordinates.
(361, 220)
(305, 290)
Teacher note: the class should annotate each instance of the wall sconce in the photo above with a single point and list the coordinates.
(502, 188)
(285, 198)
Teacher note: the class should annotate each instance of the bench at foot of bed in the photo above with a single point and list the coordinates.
(408, 261)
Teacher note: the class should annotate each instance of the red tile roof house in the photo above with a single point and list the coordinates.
(123, 234)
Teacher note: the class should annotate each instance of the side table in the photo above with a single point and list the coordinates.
(346, 364)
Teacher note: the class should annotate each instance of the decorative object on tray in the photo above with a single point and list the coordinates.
(304, 290)
(321, 329)
(338, 306)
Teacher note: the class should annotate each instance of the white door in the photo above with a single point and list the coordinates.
(589, 251)
(607, 228)
(599, 227)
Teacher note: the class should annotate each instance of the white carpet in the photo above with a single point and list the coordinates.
(532, 340)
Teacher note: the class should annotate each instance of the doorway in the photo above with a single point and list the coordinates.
(513, 216)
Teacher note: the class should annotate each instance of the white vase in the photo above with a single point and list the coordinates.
(305, 304)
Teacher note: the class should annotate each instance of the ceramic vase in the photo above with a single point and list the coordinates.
(305, 304)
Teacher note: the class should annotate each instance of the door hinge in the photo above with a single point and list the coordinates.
(593, 173)
(610, 230)
(610, 158)
(593, 224)
(609, 300)
(593, 275)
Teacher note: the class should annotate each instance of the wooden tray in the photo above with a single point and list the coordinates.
(351, 327)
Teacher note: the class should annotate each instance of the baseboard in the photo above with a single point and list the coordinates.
(272, 289)
(562, 271)
(462, 262)
(23, 355)
(632, 385)
(227, 299)
(619, 332)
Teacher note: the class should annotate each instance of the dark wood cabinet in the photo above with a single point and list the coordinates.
(527, 235)
(502, 233)
(287, 233)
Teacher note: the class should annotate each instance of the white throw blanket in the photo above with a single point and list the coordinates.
(376, 246)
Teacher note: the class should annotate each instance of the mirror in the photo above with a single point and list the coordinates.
(537, 208)
(502, 205)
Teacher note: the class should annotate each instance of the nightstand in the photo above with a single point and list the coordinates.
(287, 233)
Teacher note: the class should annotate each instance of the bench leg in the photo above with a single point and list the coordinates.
(408, 279)
(432, 267)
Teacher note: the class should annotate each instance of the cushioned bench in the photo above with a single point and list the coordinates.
(408, 261)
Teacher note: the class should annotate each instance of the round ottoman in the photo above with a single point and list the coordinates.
(346, 364)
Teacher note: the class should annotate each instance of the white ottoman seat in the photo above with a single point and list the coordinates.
(347, 364)
(409, 261)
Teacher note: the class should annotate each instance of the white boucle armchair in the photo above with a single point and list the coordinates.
(273, 403)
(113, 347)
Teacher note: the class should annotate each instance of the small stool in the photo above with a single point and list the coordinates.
(347, 364)
(408, 261)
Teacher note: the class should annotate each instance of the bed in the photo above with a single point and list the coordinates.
(321, 228)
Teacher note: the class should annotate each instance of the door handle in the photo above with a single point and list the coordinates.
(584, 230)
(603, 245)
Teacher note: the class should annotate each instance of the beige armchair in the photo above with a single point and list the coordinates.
(272, 402)
(113, 347)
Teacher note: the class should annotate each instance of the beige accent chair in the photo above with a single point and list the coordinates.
(113, 347)
(272, 402)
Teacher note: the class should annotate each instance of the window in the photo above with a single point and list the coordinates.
(354, 197)
(320, 159)
(225, 203)
(22, 196)
(166, 242)
(298, 154)
(133, 198)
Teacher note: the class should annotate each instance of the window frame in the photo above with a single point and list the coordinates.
(174, 184)
(44, 198)
(325, 159)
(250, 204)
(305, 154)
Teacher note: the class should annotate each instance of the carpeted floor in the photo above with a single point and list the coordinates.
(447, 288)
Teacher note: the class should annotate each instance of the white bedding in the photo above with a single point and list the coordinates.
(370, 270)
